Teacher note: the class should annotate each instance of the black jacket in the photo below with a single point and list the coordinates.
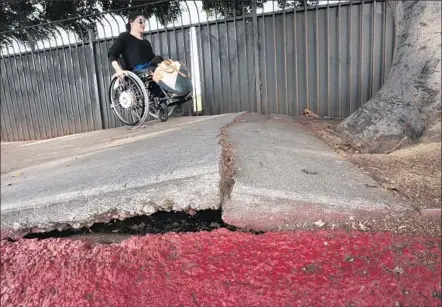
(134, 51)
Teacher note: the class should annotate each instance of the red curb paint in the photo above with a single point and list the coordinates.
(224, 268)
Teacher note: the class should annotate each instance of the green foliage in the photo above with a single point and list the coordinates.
(296, 3)
(16, 14)
(81, 15)
(229, 8)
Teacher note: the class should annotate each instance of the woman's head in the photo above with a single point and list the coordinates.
(136, 22)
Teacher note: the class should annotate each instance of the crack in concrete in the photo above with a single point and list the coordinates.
(159, 222)
(227, 162)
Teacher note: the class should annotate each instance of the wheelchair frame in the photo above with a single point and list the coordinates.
(156, 106)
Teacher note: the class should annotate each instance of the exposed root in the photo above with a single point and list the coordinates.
(341, 137)
(396, 147)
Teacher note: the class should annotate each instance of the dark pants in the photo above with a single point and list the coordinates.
(142, 71)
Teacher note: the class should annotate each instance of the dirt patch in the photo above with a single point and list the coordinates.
(412, 174)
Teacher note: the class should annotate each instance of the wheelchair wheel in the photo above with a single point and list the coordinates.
(129, 99)
(163, 114)
(156, 113)
(178, 110)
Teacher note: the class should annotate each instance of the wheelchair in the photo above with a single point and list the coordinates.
(137, 97)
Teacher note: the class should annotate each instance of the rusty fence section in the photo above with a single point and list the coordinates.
(330, 57)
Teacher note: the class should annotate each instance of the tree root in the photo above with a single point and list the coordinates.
(395, 147)
(341, 137)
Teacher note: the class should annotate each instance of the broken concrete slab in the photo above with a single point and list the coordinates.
(286, 178)
(175, 167)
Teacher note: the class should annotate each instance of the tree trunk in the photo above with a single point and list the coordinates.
(409, 102)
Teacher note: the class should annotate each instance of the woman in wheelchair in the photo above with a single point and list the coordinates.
(133, 94)
(136, 53)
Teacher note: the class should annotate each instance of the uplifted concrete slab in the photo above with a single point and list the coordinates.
(287, 178)
(81, 179)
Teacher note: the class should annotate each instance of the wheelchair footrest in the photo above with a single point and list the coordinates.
(178, 100)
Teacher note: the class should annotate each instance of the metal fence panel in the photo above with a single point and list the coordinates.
(312, 59)
(228, 66)
(48, 95)
(8, 128)
(104, 74)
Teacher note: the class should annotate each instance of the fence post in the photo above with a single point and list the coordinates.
(98, 106)
(256, 54)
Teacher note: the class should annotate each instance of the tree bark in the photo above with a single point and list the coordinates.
(409, 102)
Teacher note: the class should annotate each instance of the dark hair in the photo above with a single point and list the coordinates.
(132, 17)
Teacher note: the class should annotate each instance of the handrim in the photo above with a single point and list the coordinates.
(142, 95)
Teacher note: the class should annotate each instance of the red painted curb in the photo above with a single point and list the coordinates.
(289, 215)
(224, 268)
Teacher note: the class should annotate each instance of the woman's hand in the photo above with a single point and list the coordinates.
(118, 70)
(120, 74)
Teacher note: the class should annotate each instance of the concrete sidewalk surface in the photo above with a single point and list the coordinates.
(81, 179)
(287, 178)
(284, 178)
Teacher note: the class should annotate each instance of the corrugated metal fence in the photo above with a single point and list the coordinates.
(330, 59)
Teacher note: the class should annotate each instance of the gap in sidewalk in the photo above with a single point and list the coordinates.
(158, 223)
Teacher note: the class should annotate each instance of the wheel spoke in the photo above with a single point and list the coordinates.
(130, 115)
(133, 91)
(135, 112)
